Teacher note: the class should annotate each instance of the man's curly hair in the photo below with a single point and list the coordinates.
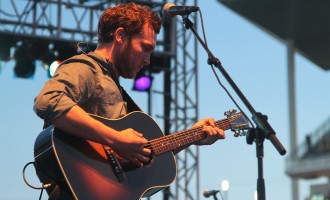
(131, 16)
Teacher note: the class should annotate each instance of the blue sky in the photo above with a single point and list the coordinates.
(256, 62)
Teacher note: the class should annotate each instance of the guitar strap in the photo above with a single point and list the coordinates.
(131, 105)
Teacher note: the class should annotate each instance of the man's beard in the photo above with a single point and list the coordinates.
(124, 65)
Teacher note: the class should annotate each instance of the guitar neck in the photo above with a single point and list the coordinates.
(176, 140)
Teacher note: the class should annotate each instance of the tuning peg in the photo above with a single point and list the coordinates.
(239, 133)
(230, 112)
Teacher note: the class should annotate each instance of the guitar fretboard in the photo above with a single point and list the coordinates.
(176, 140)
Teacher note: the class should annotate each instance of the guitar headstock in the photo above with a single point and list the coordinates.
(238, 122)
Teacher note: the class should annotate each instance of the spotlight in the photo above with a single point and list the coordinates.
(159, 62)
(6, 43)
(25, 65)
(58, 52)
(51, 63)
(52, 68)
(142, 82)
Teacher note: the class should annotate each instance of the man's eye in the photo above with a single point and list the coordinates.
(147, 48)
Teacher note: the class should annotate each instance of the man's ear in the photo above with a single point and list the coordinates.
(119, 35)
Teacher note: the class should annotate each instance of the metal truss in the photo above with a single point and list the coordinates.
(184, 107)
(76, 21)
(48, 19)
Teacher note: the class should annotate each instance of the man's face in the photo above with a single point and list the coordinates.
(135, 54)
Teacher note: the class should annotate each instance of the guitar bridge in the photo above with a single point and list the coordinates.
(115, 164)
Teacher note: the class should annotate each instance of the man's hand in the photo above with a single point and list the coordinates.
(129, 145)
(213, 133)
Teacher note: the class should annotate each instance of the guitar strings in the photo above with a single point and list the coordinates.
(173, 139)
(159, 146)
(182, 133)
(218, 124)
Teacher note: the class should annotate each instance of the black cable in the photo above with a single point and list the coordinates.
(217, 77)
(40, 196)
(44, 186)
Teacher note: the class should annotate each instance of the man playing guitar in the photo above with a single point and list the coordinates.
(89, 84)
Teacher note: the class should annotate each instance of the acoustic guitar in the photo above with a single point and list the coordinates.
(92, 171)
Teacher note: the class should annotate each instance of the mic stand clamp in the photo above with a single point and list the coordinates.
(263, 130)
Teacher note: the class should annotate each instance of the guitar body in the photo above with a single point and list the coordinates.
(89, 173)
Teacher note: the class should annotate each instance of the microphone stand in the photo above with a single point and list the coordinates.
(263, 129)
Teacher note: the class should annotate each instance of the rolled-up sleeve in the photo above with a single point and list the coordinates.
(73, 84)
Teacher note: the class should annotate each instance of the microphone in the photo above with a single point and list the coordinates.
(207, 194)
(170, 10)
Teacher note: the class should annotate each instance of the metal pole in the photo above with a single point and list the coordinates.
(292, 114)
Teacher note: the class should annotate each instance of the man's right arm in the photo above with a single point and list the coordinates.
(127, 143)
(57, 104)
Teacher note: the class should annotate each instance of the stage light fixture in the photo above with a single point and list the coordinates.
(58, 52)
(52, 68)
(159, 62)
(25, 64)
(6, 42)
(51, 63)
(142, 82)
(26, 54)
